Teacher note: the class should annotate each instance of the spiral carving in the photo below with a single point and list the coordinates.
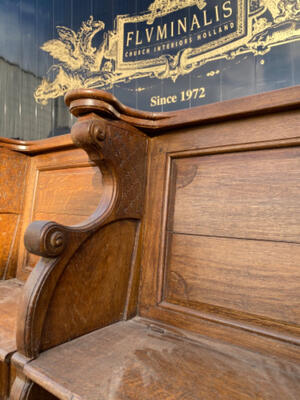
(46, 239)
(54, 241)
(97, 131)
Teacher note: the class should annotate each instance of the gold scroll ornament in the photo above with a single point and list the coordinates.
(268, 23)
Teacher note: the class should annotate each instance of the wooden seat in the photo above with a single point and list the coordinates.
(184, 282)
(140, 360)
(10, 291)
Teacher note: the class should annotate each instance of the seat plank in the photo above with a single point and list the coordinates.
(129, 360)
(10, 291)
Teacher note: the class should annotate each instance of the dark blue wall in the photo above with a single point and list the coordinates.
(26, 25)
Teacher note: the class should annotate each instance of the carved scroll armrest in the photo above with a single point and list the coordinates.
(46, 238)
(74, 257)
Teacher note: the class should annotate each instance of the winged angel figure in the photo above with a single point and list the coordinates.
(78, 60)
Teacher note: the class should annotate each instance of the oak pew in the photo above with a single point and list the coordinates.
(43, 179)
(185, 282)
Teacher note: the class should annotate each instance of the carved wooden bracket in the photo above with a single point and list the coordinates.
(119, 150)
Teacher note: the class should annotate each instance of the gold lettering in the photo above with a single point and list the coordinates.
(172, 28)
(129, 38)
(195, 22)
(182, 25)
(227, 9)
(205, 19)
(137, 42)
(161, 32)
(149, 35)
(217, 13)
(153, 101)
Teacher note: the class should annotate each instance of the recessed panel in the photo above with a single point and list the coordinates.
(251, 195)
(234, 234)
(256, 277)
(8, 231)
(12, 177)
(67, 196)
(69, 191)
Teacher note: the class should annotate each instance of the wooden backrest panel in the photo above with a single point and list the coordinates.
(63, 186)
(249, 195)
(13, 170)
(222, 239)
(234, 236)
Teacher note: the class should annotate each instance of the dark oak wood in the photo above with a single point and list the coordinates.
(195, 231)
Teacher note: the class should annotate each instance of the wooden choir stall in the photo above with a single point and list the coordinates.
(161, 256)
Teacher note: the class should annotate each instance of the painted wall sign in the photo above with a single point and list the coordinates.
(170, 39)
(160, 55)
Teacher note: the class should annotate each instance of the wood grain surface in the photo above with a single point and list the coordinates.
(96, 284)
(13, 168)
(13, 171)
(256, 277)
(63, 186)
(68, 191)
(10, 291)
(128, 360)
(231, 187)
(35, 147)
(217, 252)
(251, 195)
(88, 274)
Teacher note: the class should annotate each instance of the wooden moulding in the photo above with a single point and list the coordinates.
(84, 101)
(37, 146)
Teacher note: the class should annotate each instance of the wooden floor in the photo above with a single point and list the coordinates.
(129, 360)
(9, 298)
